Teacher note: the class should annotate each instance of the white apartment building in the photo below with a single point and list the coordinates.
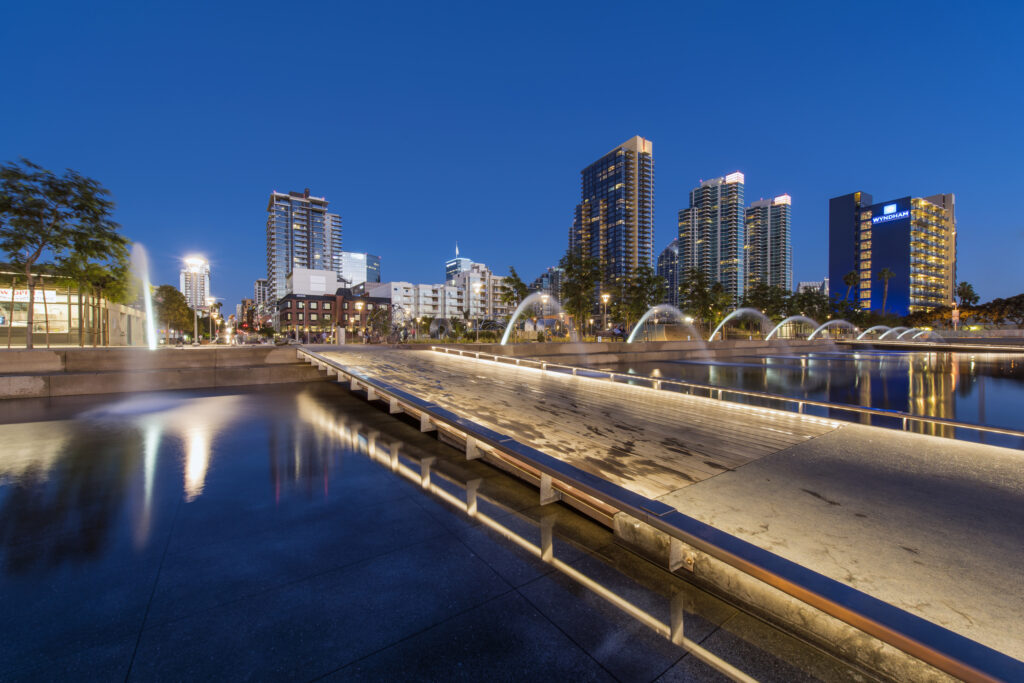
(475, 290)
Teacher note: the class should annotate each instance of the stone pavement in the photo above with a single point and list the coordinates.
(931, 525)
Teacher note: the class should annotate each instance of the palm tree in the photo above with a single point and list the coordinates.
(850, 279)
(884, 275)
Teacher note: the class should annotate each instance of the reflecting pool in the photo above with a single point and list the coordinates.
(977, 388)
(262, 534)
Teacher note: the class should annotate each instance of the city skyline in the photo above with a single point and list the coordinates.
(180, 131)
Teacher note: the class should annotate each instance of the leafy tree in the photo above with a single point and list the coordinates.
(885, 275)
(579, 285)
(850, 280)
(695, 296)
(171, 308)
(965, 292)
(1007, 310)
(379, 322)
(773, 300)
(720, 302)
(42, 214)
(515, 289)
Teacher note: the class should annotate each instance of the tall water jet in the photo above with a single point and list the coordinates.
(658, 310)
(533, 299)
(140, 267)
(741, 312)
(872, 329)
(792, 319)
(894, 330)
(833, 323)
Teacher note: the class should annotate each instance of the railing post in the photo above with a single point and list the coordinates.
(371, 394)
(548, 494)
(904, 424)
(394, 407)
(800, 407)
(472, 452)
(425, 424)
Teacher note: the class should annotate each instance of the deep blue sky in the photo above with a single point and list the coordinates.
(427, 123)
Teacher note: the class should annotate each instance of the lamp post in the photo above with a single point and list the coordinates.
(604, 311)
(477, 286)
(359, 315)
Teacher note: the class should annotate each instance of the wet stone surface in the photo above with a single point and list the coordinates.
(252, 536)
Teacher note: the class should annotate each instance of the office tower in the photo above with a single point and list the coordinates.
(913, 237)
(194, 282)
(614, 222)
(301, 233)
(769, 250)
(357, 268)
(668, 268)
(712, 234)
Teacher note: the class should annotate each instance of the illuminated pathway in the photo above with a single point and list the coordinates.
(930, 525)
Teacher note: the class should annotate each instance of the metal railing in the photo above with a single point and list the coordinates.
(918, 637)
(724, 393)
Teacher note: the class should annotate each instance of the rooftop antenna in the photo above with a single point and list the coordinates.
(456, 249)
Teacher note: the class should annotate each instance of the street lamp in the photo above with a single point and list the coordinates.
(359, 315)
(476, 290)
(604, 311)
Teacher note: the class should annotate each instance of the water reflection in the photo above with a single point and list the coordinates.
(58, 504)
(956, 386)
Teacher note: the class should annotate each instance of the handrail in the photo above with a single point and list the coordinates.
(944, 649)
(658, 383)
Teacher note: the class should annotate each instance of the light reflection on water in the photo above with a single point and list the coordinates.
(976, 388)
(78, 488)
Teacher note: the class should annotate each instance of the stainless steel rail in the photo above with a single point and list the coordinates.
(928, 642)
(722, 393)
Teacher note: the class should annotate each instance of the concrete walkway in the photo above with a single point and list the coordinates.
(931, 525)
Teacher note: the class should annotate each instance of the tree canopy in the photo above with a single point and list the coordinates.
(579, 285)
(515, 290)
(45, 215)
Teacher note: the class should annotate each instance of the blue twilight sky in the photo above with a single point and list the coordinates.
(426, 123)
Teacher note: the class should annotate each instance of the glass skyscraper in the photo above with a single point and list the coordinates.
(358, 268)
(301, 233)
(668, 268)
(914, 237)
(614, 222)
(769, 250)
(712, 234)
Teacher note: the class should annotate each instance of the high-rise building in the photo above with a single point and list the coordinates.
(194, 282)
(712, 235)
(357, 268)
(301, 233)
(914, 238)
(259, 292)
(668, 269)
(769, 250)
(614, 222)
